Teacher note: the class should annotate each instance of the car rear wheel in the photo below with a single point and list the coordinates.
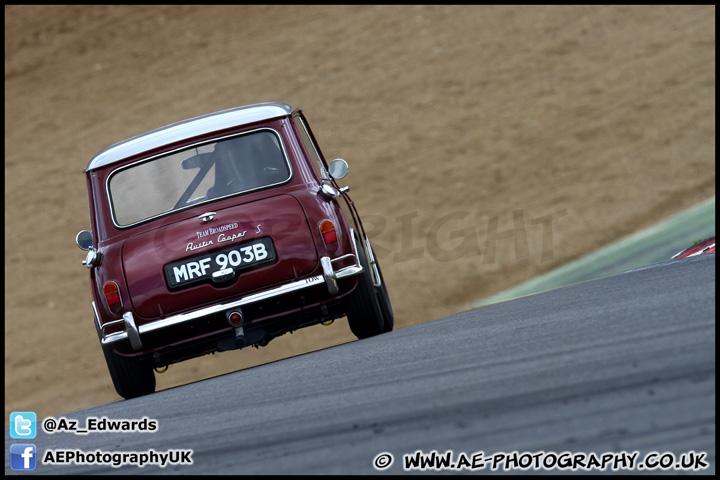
(130, 376)
(385, 305)
(364, 306)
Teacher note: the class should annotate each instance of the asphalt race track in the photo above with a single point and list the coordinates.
(621, 364)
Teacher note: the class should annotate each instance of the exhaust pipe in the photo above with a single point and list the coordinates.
(240, 338)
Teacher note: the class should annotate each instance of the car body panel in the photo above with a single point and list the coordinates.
(279, 218)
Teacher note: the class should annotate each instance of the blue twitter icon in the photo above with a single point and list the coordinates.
(23, 425)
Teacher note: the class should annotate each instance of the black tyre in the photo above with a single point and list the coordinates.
(130, 376)
(385, 305)
(364, 312)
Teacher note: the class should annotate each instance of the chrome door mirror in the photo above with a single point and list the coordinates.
(338, 168)
(84, 240)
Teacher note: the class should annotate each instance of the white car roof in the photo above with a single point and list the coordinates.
(188, 128)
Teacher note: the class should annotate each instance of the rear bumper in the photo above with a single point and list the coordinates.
(134, 333)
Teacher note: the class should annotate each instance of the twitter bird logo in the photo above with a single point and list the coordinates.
(23, 425)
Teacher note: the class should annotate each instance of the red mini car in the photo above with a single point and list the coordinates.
(220, 232)
(701, 246)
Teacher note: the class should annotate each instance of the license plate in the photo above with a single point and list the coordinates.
(239, 257)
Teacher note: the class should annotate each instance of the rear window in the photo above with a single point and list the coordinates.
(200, 174)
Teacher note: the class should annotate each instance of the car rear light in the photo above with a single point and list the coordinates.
(235, 318)
(112, 295)
(327, 228)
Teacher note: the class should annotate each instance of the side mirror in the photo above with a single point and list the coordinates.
(84, 240)
(338, 168)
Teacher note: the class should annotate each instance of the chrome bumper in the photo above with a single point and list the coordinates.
(132, 332)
